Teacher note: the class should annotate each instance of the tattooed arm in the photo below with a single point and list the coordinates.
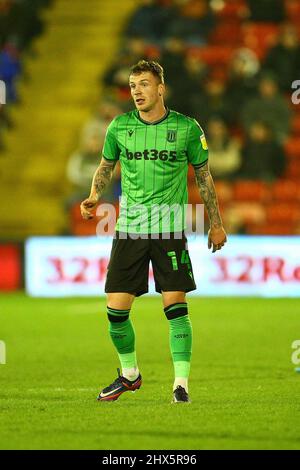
(100, 181)
(216, 234)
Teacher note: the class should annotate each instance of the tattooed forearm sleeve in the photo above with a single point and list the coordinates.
(101, 178)
(208, 193)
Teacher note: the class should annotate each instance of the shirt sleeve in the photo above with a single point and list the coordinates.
(197, 146)
(111, 150)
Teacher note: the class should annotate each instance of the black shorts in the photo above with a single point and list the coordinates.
(128, 268)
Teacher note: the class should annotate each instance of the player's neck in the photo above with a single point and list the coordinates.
(155, 114)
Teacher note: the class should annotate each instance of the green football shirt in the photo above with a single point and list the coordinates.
(154, 159)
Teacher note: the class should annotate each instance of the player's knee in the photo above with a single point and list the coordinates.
(120, 300)
(117, 316)
(169, 298)
(176, 310)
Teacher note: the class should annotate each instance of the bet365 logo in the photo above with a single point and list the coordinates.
(153, 154)
(296, 354)
(2, 353)
(2, 92)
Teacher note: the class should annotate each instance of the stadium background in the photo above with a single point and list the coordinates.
(231, 65)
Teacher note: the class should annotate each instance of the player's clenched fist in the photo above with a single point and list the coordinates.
(87, 206)
(216, 238)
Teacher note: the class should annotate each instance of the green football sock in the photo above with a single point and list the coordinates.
(180, 338)
(123, 337)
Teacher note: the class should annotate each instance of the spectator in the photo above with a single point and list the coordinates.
(5, 6)
(270, 106)
(97, 125)
(266, 10)
(284, 58)
(118, 73)
(242, 81)
(81, 168)
(21, 20)
(193, 78)
(224, 151)
(196, 72)
(149, 21)
(184, 74)
(263, 156)
(24, 21)
(212, 102)
(192, 21)
(82, 165)
(172, 59)
(10, 68)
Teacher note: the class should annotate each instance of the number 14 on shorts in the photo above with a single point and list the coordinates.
(185, 259)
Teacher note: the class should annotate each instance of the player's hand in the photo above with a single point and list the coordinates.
(87, 206)
(216, 238)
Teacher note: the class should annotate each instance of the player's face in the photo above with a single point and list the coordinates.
(146, 91)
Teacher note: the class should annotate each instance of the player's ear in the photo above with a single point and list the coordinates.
(161, 89)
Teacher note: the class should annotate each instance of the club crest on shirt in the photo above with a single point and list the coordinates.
(171, 136)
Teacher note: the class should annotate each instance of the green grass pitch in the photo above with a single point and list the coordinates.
(244, 390)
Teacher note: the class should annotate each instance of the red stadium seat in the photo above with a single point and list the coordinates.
(224, 191)
(292, 8)
(282, 213)
(212, 55)
(231, 9)
(250, 191)
(286, 190)
(75, 213)
(79, 226)
(194, 194)
(191, 174)
(227, 33)
(293, 170)
(152, 52)
(219, 73)
(270, 229)
(295, 108)
(292, 147)
(296, 125)
(260, 37)
(82, 227)
(250, 212)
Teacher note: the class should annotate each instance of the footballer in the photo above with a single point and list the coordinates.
(154, 146)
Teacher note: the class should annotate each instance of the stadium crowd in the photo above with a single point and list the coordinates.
(20, 23)
(230, 64)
